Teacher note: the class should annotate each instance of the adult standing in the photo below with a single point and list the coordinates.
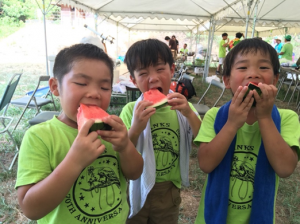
(222, 51)
(177, 43)
(172, 46)
(278, 46)
(287, 50)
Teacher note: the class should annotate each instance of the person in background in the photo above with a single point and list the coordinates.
(278, 46)
(172, 46)
(287, 50)
(184, 50)
(177, 43)
(222, 51)
(235, 41)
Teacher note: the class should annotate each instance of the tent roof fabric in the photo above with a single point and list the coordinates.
(186, 15)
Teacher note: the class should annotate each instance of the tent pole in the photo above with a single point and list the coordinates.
(45, 35)
(96, 21)
(210, 43)
(254, 18)
(117, 40)
(248, 15)
(197, 40)
(128, 38)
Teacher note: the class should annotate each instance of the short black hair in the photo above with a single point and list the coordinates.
(174, 36)
(147, 52)
(252, 45)
(167, 38)
(68, 56)
(224, 34)
(238, 35)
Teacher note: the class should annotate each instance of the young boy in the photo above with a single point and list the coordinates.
(222, 51)
(71, 176)
(245, 149)
(162, 136)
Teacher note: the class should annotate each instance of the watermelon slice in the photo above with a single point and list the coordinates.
(157, 99)
(86, 112)
(252, 86)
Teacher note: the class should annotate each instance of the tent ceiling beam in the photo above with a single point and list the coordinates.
(234, 10)
(272, 9)
(155, 12)
(201, 7)
(158, 24)
(104, 4)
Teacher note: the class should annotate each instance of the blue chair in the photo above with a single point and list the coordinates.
(5, 120)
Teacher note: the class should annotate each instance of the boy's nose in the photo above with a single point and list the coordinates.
(253, 74)
(153, 77)
(94, 93)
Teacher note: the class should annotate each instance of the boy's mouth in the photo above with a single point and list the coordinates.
(159, 89)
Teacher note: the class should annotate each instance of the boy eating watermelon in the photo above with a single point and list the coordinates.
(163, 136)
(245, 149)
(66, 175)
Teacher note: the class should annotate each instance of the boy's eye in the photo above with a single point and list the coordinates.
(241, 67)
(161, 69)
(106, 89)
(264, 68)
(80, 84)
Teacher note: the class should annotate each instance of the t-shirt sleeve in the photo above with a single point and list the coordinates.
(290, 129)
(33, 163)
(127, 114)
(283, 49)
(207, 131)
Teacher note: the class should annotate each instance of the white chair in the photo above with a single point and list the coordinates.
(32, 101)
(202, 108)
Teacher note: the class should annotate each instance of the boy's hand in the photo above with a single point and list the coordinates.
(86, 147)
(239, 108)
(178, 102)
(118, 136)
(141, 116)
(265, 102)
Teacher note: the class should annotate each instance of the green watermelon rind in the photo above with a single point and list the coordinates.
(252, 87)
(99, 125)
(160, 104)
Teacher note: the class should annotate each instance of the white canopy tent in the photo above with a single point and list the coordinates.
(253, 17)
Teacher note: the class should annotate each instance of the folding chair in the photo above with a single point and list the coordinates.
(42, 117)
(33, 101)
(4, 103)
(285, 78)
(202, 108)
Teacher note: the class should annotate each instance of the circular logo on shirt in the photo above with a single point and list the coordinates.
(97, 190)
(242, 177)
(165, 145)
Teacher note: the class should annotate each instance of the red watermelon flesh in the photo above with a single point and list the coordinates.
(86, 112)
(157, 98)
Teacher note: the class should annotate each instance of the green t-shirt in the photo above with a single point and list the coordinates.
(288, 51)
(185, 51)
(166, 141)
(244, 162)
(99, 193)
(222, 50)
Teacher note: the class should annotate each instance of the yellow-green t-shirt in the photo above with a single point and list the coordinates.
(288, 51)
(222, 50)
(244, 162)
(166, 141)
(99, 193)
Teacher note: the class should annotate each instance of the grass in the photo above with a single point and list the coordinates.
(6, 30)
(288, 199)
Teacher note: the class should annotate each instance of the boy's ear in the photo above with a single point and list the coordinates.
(133, 80)
(275, 80)
(53, 84)
(172, 70)
(226, 82)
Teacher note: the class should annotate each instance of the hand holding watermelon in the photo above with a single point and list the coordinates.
(86, 147)
(265, 102)
(240, 107)
(177, 101)
(142, 114)
(118, 136)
